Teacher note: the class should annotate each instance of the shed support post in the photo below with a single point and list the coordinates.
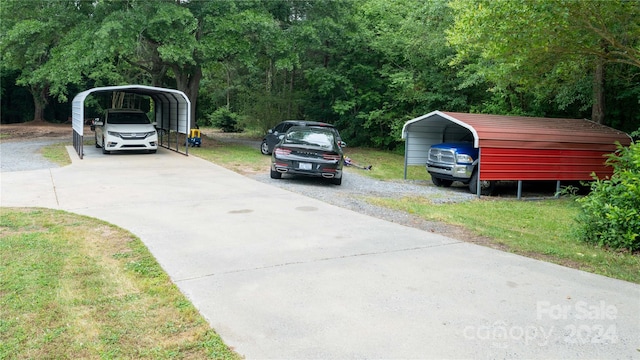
(557, 189)
(478, 187)
(519, 189)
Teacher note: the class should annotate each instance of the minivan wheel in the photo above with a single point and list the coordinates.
(104, 147)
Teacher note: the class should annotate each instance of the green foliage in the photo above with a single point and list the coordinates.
(224, 119)
(543, 53)
(366, 66)
(610, 214)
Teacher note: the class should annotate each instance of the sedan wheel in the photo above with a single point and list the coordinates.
(264, 148)
(275, 175)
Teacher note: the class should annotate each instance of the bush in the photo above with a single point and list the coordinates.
(610, 214)
(224, 119)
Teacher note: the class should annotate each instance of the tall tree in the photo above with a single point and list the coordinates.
(180, 38)
(546, 47)
(29, 33)
(409, 37)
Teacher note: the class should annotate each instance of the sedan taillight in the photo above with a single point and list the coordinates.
(282, 152)
(334, 157)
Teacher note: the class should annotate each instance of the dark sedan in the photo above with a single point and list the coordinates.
(308, 151)
(274, 135)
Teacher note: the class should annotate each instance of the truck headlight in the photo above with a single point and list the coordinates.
(463, 159)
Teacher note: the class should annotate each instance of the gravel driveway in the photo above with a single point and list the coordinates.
(356, 188)
(25, 155)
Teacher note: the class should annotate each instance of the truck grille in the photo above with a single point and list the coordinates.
(442, 156)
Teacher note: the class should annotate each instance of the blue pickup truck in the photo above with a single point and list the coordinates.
(456, 161)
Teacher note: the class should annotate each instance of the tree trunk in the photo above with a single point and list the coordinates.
(228, 86)
(188, 81)
(40, 101)
(597, 110)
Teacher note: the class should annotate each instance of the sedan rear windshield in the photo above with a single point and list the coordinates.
(128, 118)
(320, 139)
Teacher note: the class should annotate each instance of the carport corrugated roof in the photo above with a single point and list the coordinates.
(572, 139)
(172, 111)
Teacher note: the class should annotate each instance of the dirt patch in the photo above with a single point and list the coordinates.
(34, 130)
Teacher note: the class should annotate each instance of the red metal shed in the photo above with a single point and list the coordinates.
(518, 147)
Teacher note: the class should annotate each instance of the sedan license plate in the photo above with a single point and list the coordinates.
(304, 166)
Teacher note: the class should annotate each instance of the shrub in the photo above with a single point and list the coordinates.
(610, 214)
(225, 120)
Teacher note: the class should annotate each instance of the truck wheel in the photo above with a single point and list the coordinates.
(441, 182)
(486, 186)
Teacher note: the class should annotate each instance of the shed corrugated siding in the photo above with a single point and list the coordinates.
(420, 138)
(525, 148)
(541, 164)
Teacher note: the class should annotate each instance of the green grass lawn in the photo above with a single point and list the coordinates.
(240, 158)
(76, 287)
(57, 153)
(538, 229)
(385, 165)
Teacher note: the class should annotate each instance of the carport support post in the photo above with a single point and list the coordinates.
(519, 189)
(406, 146)
(557, 189)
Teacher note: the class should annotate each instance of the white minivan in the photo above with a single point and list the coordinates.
(125, 129)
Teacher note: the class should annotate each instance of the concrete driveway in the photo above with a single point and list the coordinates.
(280, 275)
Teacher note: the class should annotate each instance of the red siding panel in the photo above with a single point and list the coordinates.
(528, 148)
(541, 164)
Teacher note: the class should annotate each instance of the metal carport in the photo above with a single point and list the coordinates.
(517, 147)
(172, 113)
